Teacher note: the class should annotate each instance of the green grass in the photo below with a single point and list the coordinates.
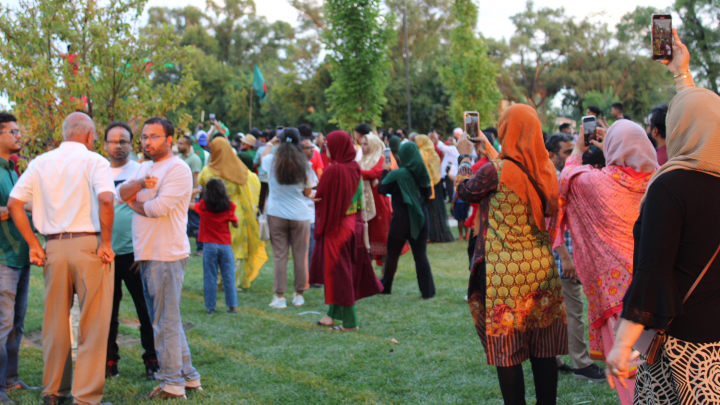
(269, 356)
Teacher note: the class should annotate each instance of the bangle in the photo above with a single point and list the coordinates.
(462, 157)
(681, 73)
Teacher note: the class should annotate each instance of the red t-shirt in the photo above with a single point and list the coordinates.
(214, 227)
(317, 162)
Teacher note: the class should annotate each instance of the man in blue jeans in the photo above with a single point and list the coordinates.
(14, 266)
(159, 193)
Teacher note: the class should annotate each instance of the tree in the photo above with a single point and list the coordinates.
(60, 57)
(356, 40)
(469, 74)
(700, 31)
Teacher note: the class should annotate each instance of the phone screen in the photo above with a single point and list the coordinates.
(662, 38)
(387, 155)
(472, 124)
(590, 128)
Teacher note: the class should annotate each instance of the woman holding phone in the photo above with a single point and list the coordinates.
(675, 240)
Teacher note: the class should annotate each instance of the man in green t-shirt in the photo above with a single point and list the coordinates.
(188, 156)
(14, 265)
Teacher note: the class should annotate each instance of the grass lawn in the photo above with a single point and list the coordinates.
(268, 356)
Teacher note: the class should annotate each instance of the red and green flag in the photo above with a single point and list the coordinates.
(259, 84)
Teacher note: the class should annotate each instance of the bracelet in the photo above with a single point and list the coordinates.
(681, 73)
(682, 87)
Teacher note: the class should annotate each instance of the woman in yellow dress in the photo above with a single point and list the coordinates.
(243, 188)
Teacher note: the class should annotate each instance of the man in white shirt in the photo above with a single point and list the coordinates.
(71, 189)
(159, 193)
(450, 155)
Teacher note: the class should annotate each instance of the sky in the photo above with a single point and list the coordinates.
(493, 20)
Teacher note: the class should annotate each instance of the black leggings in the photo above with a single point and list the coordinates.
(397, 236)
(545, 377)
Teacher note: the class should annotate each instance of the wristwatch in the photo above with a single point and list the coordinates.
(462, 157)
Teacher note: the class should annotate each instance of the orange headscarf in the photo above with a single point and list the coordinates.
(522, 140)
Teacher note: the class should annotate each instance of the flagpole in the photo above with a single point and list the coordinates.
(251, 105)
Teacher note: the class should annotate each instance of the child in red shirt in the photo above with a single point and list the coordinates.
(216, 211)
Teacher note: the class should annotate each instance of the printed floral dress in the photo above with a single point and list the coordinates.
(515, 293)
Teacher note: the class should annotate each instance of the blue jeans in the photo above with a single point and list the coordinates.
(214, 256)
(162, 285)
(14, 284)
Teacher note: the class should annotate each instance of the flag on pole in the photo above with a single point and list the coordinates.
(259, 84)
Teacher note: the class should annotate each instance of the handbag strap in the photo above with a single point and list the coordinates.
(701, 275)
(534, 183)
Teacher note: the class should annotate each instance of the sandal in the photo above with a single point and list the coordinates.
(318, 323)
(343, 329)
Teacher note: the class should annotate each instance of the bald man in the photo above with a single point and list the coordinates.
(72, 192)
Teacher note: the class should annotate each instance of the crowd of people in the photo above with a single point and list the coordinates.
(545, 218)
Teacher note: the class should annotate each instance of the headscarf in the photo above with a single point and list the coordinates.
(411, 175)
(338, 183)
(431, 158)
(521, 139)
(368, 162)
(225, 164)
(626, 144)
(693, 133)
(394, 144)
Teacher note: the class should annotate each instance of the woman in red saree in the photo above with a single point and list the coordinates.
(340, 260)
(377, 211)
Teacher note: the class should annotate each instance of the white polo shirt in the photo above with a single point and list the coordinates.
(63, 186)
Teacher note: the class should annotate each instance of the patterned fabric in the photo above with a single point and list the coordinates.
(515, 293)
(687, 374)
(600, 207)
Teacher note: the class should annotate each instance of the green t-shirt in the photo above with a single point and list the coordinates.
(14, 251)
(193, 161)
(122, 226)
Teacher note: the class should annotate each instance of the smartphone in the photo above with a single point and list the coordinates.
(662, 37)
(472, 123)
(589, 123)
(387, 153)
(212, 117)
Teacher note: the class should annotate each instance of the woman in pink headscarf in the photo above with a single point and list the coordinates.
(600, 207)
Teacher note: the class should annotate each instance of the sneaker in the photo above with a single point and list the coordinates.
(111, 369)
(151, 367)
(19, 386)
(278, 303)
(298, 300)
(232, 310)
(211, 312)
(591, 373)
(564, 368)
(159, 393)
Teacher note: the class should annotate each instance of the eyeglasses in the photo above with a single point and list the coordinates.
(13, 132)
(121, 143)
(308, 147)
(152, 138)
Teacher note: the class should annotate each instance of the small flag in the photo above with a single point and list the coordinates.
(259, 84)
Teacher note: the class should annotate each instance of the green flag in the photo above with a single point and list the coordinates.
(259, 84)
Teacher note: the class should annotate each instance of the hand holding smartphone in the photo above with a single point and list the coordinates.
(472, 123)
(662, 37)
(589, 124)
(387, 153)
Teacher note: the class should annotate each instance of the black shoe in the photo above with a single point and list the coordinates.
(54, 399)
(316, 286)
(565, 369)
(591, 373)
(151, 367)
(111, 369)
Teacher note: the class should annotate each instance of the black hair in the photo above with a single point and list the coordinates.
(187, 137)
(305, 130)
(121, 124)
(218, 135)
(215, 196)
(490, 136)
(657, 119)
(5, 118)
(492, 130)
(563, 126)
(553, 142)
(595, 157)
(595, 110)
(619, 107)
(290, 163)
(363, 129)
(545, 136)
(256, 133)
(167, 125)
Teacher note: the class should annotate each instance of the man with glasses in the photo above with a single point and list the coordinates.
(14, 266)
(72, 195)
(159, 193)
(118, 144)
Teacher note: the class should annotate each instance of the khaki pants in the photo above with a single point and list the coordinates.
(72, 266)
(283, 234)
(572, 292)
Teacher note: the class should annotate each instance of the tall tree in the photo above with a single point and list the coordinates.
(469, 74)
(60, 57)
(700, 31)
(356, 38)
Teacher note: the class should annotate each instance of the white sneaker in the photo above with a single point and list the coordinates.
(298, 300)
(278, 302)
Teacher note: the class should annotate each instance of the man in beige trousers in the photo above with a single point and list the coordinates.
(72, 192)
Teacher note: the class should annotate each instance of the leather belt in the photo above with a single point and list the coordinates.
(70, 235)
